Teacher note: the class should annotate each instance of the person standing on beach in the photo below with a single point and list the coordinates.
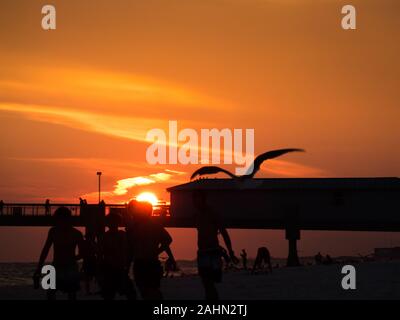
(209, 255)
(243, 255)
(147, 240)
(1, 207)
(47, 210)
(65, 240)
(318, 258)
(90, 260)
(263, 258)
(114, 261)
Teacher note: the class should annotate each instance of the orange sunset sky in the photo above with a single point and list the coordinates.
(81, 98)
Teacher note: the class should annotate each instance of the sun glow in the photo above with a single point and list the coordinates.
(147, 197)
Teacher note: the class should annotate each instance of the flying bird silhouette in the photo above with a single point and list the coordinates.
(253, 169)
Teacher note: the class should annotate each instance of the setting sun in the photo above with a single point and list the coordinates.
(147, 197)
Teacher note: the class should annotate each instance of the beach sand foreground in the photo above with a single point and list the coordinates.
(375, 280)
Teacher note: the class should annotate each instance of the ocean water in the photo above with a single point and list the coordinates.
(20, 274)
(16, 274)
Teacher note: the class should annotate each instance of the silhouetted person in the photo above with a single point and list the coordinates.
(90, 263)
(82, 206)
(47, 210)
(114, 265)
(318, 258)
(328, 260)
(209, 253)
(82, 202)
(243, 255)
(1, 207)
(263, 258)
(65, 239)
(148, 240)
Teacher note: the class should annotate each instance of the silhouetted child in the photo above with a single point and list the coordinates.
(82, 202)
(114, 261)
(318, 258)
(89, 265)
(243, 255)
(263, 257)
(328, 260)
(147, 241)
(47, 210)
(65, 239)
(209, 252)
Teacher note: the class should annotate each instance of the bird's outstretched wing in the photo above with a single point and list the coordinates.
(210, 170)
(268, 155)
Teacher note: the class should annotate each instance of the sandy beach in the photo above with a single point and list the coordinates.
(375, 280)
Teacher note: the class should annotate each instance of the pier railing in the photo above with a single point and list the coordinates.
(35, 209)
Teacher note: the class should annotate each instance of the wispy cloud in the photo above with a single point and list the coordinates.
(123, 186)
(122, 105)
(95, 90)
(118, 126)
(292, 169)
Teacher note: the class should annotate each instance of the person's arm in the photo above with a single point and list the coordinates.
(80, 245)
(170, 254)
(227, 239)
(165, 246)
(165, 241)
(228, 243)
(45, 251)
(171, 258)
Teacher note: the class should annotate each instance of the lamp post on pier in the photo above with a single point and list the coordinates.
(99, 175)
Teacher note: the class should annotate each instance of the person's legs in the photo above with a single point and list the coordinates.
(148, 275)
(51, 294)
(72, 295)
(142, 291)
(269, 264)
(87, 284)
(139, 276)
(149, 293)
(108, 286)
(210, 289)
(264, 264)
(108, 289)
(123, 285)
(256, 264)
(149, 286)
(127, 288)
(108, 295)
(131, 294)
(209, 264)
